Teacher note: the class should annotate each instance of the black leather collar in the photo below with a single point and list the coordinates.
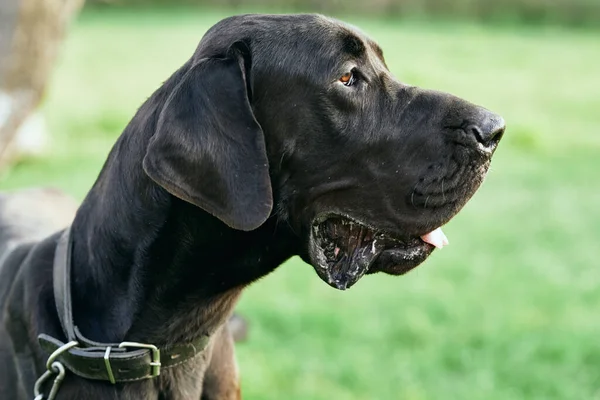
(113, 362)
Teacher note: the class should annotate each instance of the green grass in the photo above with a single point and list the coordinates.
(508, 311)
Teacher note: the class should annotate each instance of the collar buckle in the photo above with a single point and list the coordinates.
(155, 363)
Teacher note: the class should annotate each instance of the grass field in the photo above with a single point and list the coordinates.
(510, 310)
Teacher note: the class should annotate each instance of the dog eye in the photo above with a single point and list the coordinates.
(348, 78)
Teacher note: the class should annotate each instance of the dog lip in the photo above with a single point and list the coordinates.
(395, 261)
(321, 218)
(390, 235)
(344, 249)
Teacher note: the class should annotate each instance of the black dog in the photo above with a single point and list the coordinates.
(281, 136)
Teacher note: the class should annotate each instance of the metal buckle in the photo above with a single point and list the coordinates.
(155, 363)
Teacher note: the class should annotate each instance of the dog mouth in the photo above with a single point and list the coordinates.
(343, 250)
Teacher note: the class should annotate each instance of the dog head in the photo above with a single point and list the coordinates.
(297, 117)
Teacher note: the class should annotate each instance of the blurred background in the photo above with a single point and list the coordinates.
(508, 311)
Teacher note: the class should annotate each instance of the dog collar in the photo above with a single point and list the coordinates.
(113, 362)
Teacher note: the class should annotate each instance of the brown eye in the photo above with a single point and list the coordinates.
(347, 79)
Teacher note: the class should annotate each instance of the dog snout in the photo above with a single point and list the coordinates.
(487, 129)
(461, 120)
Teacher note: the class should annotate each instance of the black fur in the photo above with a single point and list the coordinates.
(218, 179)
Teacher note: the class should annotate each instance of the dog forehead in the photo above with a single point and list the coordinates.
(287, 40)
(315, 45)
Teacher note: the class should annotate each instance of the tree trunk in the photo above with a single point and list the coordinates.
(31, 32)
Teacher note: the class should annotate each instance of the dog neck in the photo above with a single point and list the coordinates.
(150, 267)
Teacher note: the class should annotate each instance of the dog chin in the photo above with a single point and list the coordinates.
(343, 250)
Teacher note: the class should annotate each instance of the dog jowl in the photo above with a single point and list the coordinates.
(363, 167)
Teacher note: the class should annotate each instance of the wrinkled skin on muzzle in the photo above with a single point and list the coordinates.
(404, 174)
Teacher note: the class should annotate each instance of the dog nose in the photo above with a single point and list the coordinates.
(488, 130)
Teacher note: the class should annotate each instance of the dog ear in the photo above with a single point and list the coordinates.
(208, 148)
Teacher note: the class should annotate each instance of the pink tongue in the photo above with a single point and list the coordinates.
(436, 238)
